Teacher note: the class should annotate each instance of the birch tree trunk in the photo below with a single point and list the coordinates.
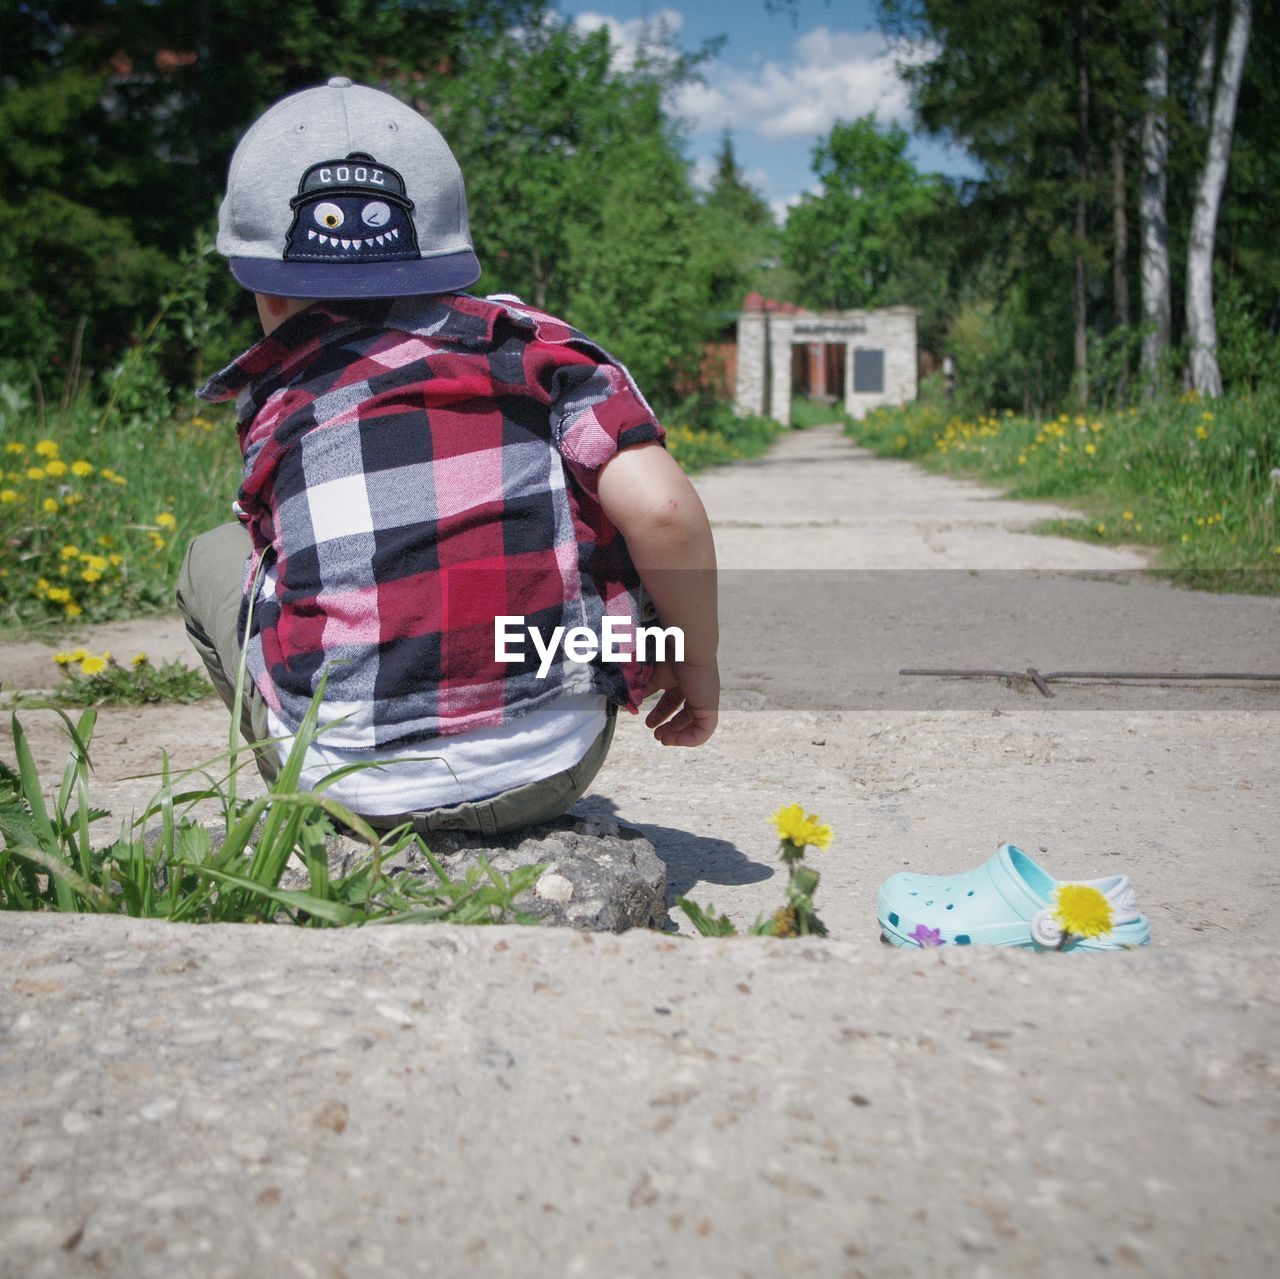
(1201, 326)
(1080, 301)
(1153, 220)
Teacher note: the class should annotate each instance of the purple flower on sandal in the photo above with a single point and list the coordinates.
(927, 936)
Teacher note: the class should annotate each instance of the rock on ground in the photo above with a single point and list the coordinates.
(597, 875)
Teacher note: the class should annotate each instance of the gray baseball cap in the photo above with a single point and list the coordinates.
(345, 192)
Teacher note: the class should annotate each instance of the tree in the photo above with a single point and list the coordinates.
(850, 244)
(639, 282)
(739, 234)
(1156, 312)
(117, 122)
(1201, 329)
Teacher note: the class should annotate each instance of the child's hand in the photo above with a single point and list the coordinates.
(689, 705)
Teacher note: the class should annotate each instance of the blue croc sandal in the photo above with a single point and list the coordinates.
(1007, 901)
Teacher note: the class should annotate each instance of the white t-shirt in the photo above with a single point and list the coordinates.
(458, 768)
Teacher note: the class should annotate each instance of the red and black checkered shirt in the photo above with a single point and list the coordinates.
(412, 469)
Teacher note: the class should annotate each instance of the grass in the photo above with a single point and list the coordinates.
(718, 437)
(806, 413)
(166, 865)
(93, 679)
(1197, 481)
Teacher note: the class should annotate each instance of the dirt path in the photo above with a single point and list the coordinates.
(839, 569)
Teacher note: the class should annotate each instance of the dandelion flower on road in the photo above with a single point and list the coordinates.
(800, 828)
(93, 665)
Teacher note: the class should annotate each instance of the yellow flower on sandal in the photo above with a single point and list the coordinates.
(1083, 910)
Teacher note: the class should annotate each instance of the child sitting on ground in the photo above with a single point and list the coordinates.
(426, 471)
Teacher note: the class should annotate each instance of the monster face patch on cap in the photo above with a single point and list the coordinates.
(351, 210)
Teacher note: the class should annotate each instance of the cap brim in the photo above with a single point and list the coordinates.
(446, 273)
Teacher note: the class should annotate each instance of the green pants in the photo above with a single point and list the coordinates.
(210, 587)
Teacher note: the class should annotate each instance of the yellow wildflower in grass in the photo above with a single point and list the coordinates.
(138, 659)
(1022, 459)
(15, 447)
(63, 659)
(156, 540)
(58, 594)
(55, 468)
(49, 506)
(108, 474)
(1202, 432)
(1083, 910)
(115, 560)
(47, 448)
(81, 468)
(1126, 515)
(69, 552)
(8, 495)
(35, 474)
(1102, 528)
(98, 562)
(797, 827)
(1091, 448)
(72, 609)
(93, 665)
(165, 520)
(90, 575)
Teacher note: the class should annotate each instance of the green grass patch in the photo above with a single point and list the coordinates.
(1195, 480)
(713, 436)
(806, 413)
(97, 679)
(166, 865)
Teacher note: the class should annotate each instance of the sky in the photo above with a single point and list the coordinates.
(778, 83)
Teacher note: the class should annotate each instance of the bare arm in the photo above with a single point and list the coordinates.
(650, 501)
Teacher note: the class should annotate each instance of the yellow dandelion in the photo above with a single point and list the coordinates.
(35, 473)
(93, 665)
(1202, 432)
(1082, 910)
(165, 520)
(8, 495)
(55, 468)
(1102, 528)
(1022, 459)
(90, 575)
(63, 659)
(69, 552)
(115, 560)
(47, 448)
(98, 562)
(15, 447)
(78, 654)
(49, 506)
(138, 659)
(797, 827)
(81, 468)
(58, 594)
(73, 609)
(1091, 448)
(1126, 515)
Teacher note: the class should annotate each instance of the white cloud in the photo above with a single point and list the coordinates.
(634, 36)
(833, 75)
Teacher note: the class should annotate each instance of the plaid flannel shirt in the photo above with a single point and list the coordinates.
(413, 468)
